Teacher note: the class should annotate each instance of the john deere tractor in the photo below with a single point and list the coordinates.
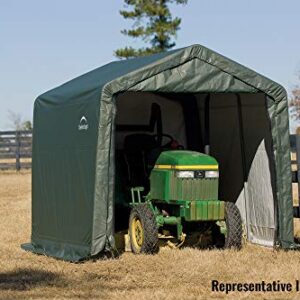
(174, 194)
(183, 197)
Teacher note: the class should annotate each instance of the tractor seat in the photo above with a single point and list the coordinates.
(140, 153)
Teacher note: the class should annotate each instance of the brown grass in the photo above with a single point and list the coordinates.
(172, 274)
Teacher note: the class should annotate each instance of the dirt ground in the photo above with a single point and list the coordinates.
(172, 274)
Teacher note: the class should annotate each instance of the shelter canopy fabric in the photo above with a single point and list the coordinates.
(73, 173)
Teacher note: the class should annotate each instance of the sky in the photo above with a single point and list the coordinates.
(45, 43)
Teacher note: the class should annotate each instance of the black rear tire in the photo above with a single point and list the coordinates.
(234, 226)
(149, 243)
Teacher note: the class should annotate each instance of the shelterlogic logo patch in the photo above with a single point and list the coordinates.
(83, 124)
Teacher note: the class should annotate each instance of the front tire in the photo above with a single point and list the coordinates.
(233, 226)
(143, 230)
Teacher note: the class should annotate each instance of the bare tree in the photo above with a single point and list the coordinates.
(17, 122)
(294, 102)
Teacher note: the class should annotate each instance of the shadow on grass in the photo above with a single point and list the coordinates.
(26, 279)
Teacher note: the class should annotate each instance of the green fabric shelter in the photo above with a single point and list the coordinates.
(73, 167)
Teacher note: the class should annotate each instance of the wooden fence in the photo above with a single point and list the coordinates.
(15, 149)
(296, 171)
(16, 153)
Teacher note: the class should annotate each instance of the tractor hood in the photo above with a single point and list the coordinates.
(185, 160)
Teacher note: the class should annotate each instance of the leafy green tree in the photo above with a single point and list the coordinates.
(27, 125)
(153, 23)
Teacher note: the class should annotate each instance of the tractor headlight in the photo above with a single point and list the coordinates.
(211, 174)
(185, 174)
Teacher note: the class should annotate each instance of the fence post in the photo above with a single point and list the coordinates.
(297, 136)
(18, 146)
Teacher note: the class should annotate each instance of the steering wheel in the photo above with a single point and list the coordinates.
(159, 138)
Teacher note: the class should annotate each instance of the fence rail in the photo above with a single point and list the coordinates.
(296, 173)
(15, 146)
(15, 149)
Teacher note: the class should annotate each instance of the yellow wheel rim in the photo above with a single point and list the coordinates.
(137, 233)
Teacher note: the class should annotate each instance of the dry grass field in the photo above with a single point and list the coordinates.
(172, 274)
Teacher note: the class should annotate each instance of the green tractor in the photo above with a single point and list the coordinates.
(174, 196)
(183, 196)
